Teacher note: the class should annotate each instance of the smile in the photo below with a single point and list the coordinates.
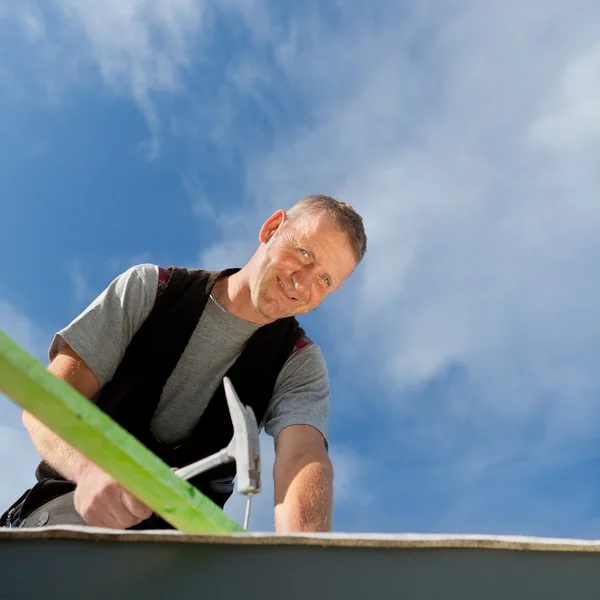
(283, 290)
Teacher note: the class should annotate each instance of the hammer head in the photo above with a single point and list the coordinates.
(244, 447)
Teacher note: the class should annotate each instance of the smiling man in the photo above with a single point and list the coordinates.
(153, 348)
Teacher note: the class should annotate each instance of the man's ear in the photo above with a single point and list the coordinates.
(271, 225)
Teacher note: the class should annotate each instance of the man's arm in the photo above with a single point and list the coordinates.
(303, 478)
(67, 365)
(99, 499)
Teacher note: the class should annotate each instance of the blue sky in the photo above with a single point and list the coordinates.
(463, 352)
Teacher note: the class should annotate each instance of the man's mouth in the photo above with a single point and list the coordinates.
(283, 290)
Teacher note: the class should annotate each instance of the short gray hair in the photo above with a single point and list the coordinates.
(344, 217)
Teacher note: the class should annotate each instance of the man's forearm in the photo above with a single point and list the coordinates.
(68, 366)
(63, 457)
(308, 500)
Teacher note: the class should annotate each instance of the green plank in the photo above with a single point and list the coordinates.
(85, 427)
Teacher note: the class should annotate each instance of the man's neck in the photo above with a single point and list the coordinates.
(233, 294)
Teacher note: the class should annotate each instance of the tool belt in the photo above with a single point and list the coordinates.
(218, 490)
(42, 492)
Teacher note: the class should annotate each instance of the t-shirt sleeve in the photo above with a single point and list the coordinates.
(102, 332)
(301, 393)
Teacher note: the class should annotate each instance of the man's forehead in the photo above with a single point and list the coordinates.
(313, 224)
(316, 231)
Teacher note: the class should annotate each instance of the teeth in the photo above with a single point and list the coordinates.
(281, 286)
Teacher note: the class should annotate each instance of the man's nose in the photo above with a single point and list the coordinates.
(302, 282)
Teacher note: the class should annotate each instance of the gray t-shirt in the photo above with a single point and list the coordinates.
(102, 332)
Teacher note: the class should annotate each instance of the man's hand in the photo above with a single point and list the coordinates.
(103, 502)
(99, 499)
(303, 476)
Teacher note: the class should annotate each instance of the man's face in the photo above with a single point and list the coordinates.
(303, 262)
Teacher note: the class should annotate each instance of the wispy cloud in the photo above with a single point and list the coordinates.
(467, 135)
(351, 470)
(20, 328)
(437, 126)
(81, 287)
(202, 207)
(30, 19)
(140, 47)
(571, 118)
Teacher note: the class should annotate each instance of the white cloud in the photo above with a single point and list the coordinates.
(350, 469)
(202, 207)
(31, 21)
(575, 120)
(141, 47)
(239, 241)
(28, 17)
(466, 135)
(81, 287)
(22, 330)
(226, 255)
(482, 245)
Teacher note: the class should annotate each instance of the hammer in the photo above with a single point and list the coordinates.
(244, 448)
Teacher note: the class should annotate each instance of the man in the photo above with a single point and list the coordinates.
(153, 348)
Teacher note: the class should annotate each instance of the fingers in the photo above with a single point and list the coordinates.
(119, 510)
(103, 502)
(116, 510)
(91, 512)
(134, 507)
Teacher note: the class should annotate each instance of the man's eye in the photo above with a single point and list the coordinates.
(326, 279)
(304, 253)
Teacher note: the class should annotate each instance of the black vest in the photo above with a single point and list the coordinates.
(132, 396)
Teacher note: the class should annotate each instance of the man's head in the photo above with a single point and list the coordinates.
(305, 254)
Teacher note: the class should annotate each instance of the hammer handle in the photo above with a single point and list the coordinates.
(210, 462)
